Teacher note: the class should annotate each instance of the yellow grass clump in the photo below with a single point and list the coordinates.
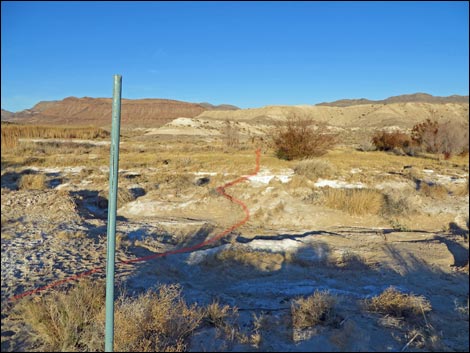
(393, 302)
(32, 182)
(314, 168)
(313, 310)
(354, 201)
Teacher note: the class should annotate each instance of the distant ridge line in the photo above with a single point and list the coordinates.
(404, 98)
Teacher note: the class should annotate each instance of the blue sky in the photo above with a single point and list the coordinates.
(249, 54)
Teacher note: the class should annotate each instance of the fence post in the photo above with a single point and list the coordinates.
(112, 203)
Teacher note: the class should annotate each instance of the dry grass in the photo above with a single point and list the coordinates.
(313, 310)
(155, 322)
(434, 191)
(354, 201)
(74, 320)
(397, 202)
(124, 196)
(218, 315)
(393, 302)
(32, 182)
(314, 168)
(62, 321)
(462, 189)
(12, 132)
(69, 234)
(261, 260)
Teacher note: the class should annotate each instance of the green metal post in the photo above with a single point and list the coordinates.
(112, 202)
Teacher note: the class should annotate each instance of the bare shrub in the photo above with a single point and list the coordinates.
(313, 310)
(366, 145)
(314, 168)
(354, 201)
(32, 182)
(231, 134)
(388, 141)
(393, 302)
(302, 138)
(448, 138)
(425, 134)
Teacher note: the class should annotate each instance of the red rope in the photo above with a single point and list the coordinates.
(220, 190)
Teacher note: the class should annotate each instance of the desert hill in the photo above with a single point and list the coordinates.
(403, 115)
(400, 111)
(97, 111)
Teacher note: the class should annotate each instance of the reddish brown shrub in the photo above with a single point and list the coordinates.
(301, 138)
(387, 141)
(447, 138)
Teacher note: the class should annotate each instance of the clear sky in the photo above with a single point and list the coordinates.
(249, 54)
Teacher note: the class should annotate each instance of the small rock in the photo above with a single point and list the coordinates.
(203, 181)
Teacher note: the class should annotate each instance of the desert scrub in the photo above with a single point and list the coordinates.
(62, 320)
(397, 202)
(353, 201)
(313, 310)
(220, 316)
(298, 138)
(32, 182)
(155, 322)
(314, 168)
(74, 320)
(397, 304)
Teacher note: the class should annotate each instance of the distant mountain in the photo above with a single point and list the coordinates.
(6, 115)
(219, 107)
(405, 98)
(97, 111)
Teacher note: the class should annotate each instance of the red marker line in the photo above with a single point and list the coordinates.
(220, 190)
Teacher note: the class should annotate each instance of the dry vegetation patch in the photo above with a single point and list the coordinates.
(62, 321)
(397, 202)
(32, 182)
(300, 138)
(260, 260)
(314, 168)
(397, 304)
(354, 201)
(313, 310)
(73, 320)
(155, 322)
(434, 191)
